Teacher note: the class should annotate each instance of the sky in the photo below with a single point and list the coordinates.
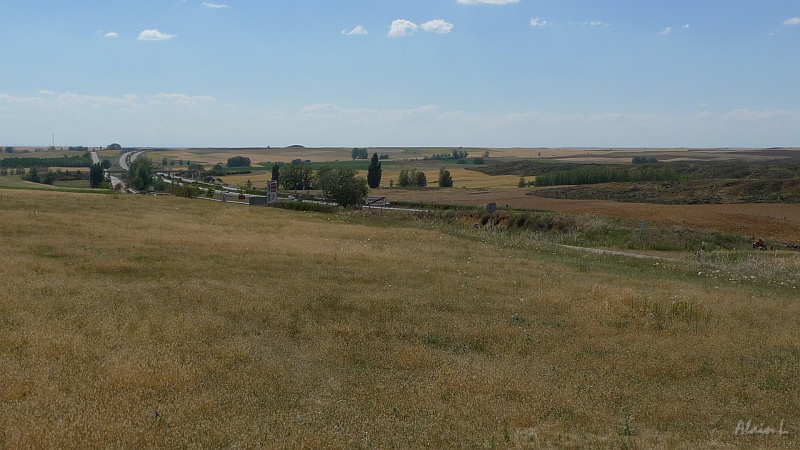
(369, 73)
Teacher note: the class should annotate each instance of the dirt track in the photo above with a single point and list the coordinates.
(779, 222)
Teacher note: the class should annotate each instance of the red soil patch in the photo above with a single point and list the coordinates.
(779, 222)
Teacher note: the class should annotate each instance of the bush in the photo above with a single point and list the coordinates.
(238, 161)
(342, 187)
(306, 206)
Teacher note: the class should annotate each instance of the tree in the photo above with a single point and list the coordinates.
(421, 179)
(445, 180)
(404, 179)
(96, 177)
(239, 161)
(106, 164)
(33, 175)
(295, 177)
(343, 187)
(522, 182)
(374, 172)
(9, 149)
(114, 146)
(359, 153)
(140, 173)
(276, 172)
(164, 161)
(49, 178)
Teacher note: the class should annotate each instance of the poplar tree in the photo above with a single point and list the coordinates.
(374, 172)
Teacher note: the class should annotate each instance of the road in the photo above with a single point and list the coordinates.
(127, 158)
(124, 160)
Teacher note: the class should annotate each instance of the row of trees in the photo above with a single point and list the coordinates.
(415, 178)
(66, 161)
(359, 153)
(594, 175)
(455, 154)
(412, 177)
(34, 176)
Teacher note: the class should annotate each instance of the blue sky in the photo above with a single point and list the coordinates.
(493, 73)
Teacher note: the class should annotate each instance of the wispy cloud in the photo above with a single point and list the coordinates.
(358, 30)
(13, 99)
(182, 99)
(71, 98)
(132, 101)
(215, 5)
(437, 26)
(154, 35)
(537, 22)
(111, 34)
(487, 2)
(792, 21)
(402, 27)
(669, 30)
(744, 114)
(591, 23)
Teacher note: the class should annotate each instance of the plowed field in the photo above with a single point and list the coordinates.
(780, 222)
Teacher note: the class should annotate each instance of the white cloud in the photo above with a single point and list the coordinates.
(358, 30)
(666, 31)
(46, 92)
(685, 27)
(593, 23)
(364, 114)
(182, 99)
(792, 21)
(756, 115)
(537, 22)
(111, 34)
(19, 100)
(154, 35)
(402, 27)
(437, 26)
(215, 5)
(488, 2)
(70, 98)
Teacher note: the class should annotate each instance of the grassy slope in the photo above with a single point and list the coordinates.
(249, 327)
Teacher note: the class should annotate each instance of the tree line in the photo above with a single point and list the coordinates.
(65, 161)
(595, 175)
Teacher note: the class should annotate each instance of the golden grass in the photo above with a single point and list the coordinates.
(254, 327)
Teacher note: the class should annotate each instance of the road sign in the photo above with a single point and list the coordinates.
(376, 201)
(272, 192)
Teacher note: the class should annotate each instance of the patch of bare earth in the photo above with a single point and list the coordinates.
(780, 222)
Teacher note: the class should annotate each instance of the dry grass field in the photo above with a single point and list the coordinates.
(144, 322)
